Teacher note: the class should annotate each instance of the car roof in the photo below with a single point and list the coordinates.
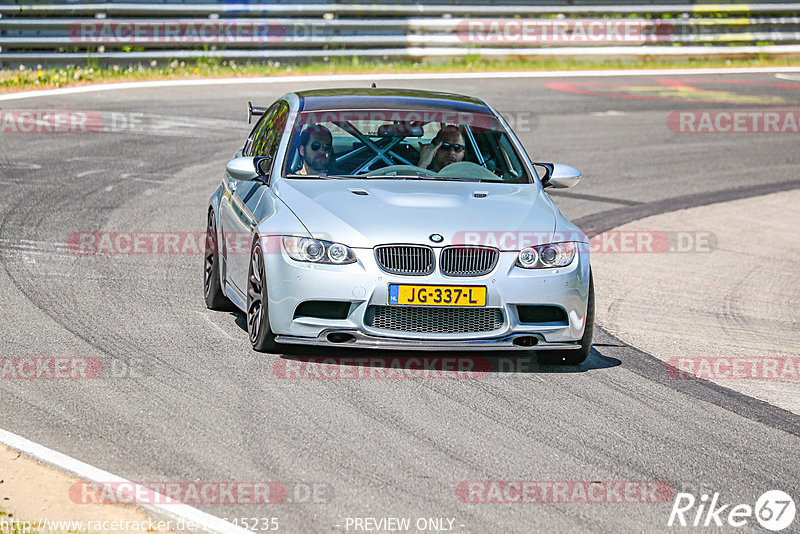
(367, 98)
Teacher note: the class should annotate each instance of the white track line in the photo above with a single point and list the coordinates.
(392, 77)
(215, 325)
(177, 512)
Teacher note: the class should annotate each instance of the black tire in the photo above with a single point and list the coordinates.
(575, 357)
(212, 287)
(261, 336)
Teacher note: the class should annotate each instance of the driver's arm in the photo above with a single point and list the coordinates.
(426, 153)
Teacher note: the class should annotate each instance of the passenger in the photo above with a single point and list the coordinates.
(316, 149)
(446, 148)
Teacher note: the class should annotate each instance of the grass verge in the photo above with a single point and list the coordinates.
(25, 77)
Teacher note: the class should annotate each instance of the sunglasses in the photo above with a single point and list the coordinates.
(316, 146)
(448, 146)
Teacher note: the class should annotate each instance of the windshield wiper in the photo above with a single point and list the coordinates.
(453, 179)
(400, 176)
(338, 176)
(325, 176)
(423, 176)
(418, 176)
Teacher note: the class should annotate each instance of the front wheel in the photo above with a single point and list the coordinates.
(261, 336)
(575, 357)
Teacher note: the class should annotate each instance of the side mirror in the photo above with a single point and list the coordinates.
(559, 175)
(249, 168)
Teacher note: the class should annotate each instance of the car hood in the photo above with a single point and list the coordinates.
(366, 213)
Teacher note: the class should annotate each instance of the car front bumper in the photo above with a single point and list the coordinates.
(363, 284)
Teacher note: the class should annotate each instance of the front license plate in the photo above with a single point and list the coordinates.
(437, 295)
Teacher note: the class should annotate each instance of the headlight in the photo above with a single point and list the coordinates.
(528, 257)
(317, 251)
(546, 256)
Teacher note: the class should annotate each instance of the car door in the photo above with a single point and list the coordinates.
(242, 196)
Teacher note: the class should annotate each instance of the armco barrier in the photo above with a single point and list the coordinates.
(135, 31)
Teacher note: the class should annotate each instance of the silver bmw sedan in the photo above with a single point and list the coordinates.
(397, 219)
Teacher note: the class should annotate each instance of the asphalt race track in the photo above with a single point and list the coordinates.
(188, 400)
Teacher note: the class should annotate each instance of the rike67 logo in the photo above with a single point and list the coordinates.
(774, 510)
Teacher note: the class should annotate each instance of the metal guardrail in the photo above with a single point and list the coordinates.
(120, 32)
(502, 8)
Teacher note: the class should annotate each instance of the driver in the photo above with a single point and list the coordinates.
(446, 148)
(316, 149)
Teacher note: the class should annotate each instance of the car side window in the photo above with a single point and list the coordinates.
(268, 137)
(247, 150)
(259, 129)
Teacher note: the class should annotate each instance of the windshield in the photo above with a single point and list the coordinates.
(402, 145)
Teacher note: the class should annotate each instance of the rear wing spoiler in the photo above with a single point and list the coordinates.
(254, 110)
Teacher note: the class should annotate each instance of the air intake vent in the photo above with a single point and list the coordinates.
(323, 309)
(541, 314)
(434, 320)
(468, 261)
(410, 260)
